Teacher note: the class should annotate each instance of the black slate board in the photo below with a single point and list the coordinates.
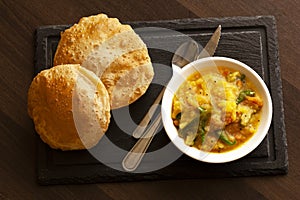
(252, 40)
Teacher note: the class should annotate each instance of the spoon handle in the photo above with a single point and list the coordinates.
(135, 155)
(138, 132)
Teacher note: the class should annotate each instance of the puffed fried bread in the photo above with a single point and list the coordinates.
(113, 51)
(69, 106)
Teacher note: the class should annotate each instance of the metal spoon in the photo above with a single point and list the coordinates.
(186, 53)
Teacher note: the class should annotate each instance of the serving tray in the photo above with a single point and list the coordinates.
(252, 40)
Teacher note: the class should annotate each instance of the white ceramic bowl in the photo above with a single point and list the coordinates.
(210, 64)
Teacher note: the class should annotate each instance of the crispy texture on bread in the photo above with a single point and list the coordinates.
(77, 42)
(124, 81)
(69, 106)
(85, 43)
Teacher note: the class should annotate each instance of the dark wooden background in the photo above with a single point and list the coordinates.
(18, 21)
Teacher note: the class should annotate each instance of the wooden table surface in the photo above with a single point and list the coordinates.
(18, 21)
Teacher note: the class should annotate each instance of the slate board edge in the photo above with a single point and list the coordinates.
(282, 156)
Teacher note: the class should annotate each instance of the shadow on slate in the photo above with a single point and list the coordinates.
(252, 40)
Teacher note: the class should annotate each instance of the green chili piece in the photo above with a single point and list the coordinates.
(202, 134)
(197, 125)
(204, 113)
(224, 138)
(243, 95)
(242, 77)
(178, 116)
(201, 109)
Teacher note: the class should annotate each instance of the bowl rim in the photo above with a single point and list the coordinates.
(177, 79)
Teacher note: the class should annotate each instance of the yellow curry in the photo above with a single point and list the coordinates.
(217, 111)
